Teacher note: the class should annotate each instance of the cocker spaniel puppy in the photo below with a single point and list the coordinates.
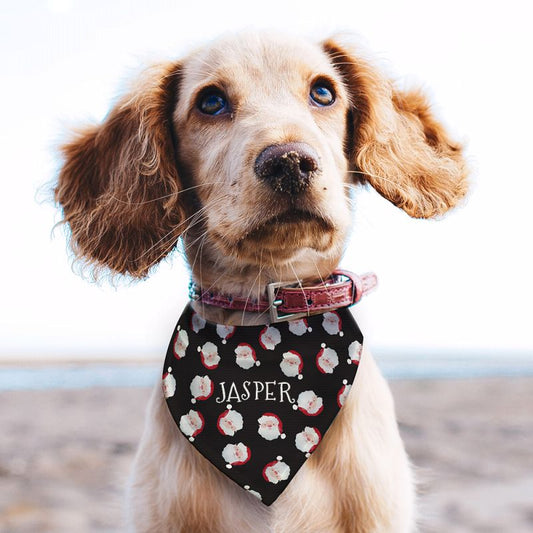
(246, 149)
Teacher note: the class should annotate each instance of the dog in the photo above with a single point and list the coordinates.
(188, 152)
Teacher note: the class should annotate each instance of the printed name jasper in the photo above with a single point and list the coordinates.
(256, 390)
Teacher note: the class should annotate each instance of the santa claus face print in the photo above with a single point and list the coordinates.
(292, 364)
(332, 323)
(343, 393)
(270, 426)
(354, 351)
(269, 338)
(276, 471)
(327, 360)
(245, 356)
(181, 343)
(309, 403)
(197, 322)
(209, 355)
(299, 326)
(225, 332)
(229, 422)
(307, 440)
(169, 384)
(192, 424)
(236, 454)
(201, 388)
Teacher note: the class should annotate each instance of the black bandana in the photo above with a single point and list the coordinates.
(257, 400)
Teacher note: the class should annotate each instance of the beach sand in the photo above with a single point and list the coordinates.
(65, 455)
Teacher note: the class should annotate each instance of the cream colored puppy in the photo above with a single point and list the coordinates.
(177, 156)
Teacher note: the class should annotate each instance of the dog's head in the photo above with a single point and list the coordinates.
(248, 148)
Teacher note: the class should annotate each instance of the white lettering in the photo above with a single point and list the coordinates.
(268, 391)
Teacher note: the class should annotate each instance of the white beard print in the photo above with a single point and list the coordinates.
(269, 338)
(209, 355)
(309, 403)
(276, 471)
(236, 454)
(245, 356)
(197, 322)
(181, 343)
(331, 322)
(191, 424)
(307, 440)
(291, 364)
(327, 360)
(201, 388)
(269, 427)
(230, 422)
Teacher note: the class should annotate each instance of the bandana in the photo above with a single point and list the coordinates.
(257, 400)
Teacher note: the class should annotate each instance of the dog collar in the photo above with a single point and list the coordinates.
(290, 301)
(256, 401)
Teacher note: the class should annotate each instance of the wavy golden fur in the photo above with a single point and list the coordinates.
(158, 168)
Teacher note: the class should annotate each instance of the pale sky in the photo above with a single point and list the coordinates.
(462, 283)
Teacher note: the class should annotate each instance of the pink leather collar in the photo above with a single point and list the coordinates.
(288, 300)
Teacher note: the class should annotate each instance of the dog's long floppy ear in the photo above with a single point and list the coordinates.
(119, 185)
(396, 144)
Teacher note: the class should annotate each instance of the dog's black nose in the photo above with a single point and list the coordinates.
(288, 168)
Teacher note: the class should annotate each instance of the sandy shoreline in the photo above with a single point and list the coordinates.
(65, 455)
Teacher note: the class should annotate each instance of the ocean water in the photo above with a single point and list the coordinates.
(79, 376)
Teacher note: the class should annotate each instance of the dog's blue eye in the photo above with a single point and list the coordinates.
(212, 103)
(321, 94)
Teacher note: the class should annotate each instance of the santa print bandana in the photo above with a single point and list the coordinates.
(257, 400)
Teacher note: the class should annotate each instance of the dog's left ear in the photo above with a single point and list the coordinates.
(396, 144)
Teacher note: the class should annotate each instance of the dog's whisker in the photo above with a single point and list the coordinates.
(168, 234)
(248, 297)
(177, 193)
(301, 286)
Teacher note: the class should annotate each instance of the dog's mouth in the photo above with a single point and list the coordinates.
(283, 234)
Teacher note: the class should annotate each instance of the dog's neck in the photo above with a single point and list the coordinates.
(218, 273)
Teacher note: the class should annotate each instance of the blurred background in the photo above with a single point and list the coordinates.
(451, 322)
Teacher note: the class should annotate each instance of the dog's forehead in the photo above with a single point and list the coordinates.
(256, 57)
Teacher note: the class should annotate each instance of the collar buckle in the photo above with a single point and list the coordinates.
(274, 303)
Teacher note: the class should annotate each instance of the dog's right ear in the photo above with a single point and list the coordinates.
(119, 185)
